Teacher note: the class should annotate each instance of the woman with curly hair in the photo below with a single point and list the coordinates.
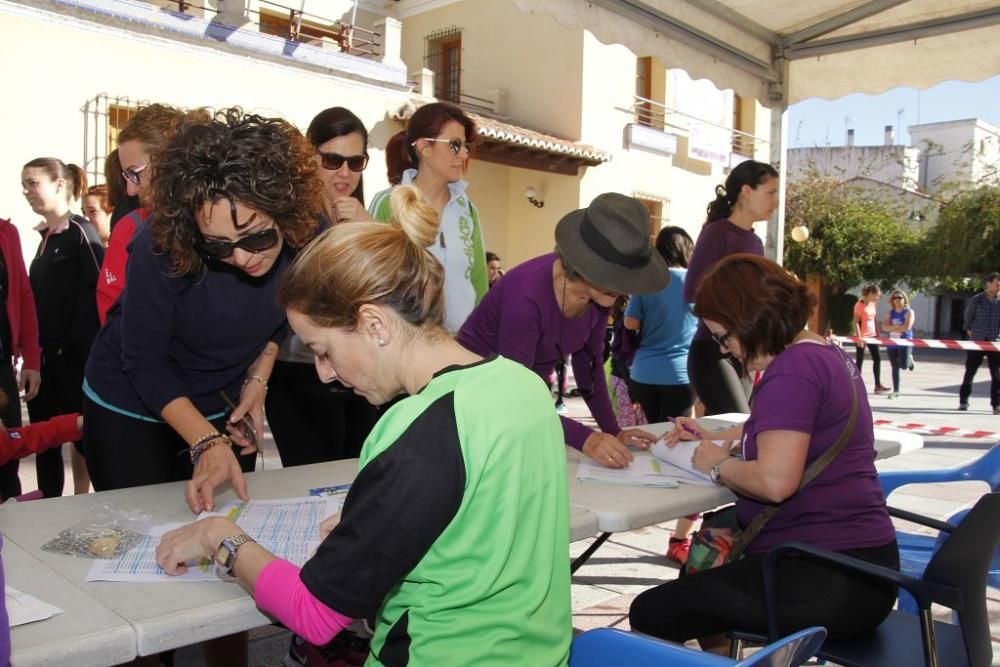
(234, 198)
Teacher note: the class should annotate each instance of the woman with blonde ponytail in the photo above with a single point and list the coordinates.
(468, 468)
(750, 194)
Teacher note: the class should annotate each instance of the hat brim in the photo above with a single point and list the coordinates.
(653, 276)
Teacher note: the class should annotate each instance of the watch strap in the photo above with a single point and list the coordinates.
(231, 545)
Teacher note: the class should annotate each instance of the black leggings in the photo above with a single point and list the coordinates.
(660, 401)
(313, 422)
(61, 393)
(122, 451)
(859, 358)
(10, 483)
(731, 597)
(715, 379)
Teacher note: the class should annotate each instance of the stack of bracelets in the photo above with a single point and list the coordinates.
(206, 442)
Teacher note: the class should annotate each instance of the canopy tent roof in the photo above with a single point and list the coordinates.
(782, 53)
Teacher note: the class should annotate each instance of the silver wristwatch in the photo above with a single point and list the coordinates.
(714, 474)
(225, 555)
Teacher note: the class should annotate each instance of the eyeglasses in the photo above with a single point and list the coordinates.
(132, 174)
(897, 296)
(722, 338)
(255, 243)
(334, 161)
(454, 145)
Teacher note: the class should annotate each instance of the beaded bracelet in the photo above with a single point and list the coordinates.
(205, 438)
(203, 447)
(255, 378)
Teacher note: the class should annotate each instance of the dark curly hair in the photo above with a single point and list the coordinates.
(263, 163)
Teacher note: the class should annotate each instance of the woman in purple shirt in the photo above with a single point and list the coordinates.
(750, 194)
(757, 311)
(557, 305)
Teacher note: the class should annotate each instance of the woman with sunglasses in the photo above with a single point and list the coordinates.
(558, 305)
(314, 421)
(198, 325)
(432, 155)
(63, 277)
(144, 135)
(898, 323)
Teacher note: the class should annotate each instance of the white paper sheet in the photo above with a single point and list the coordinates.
(645, 470)
(23, 608)
(288, 528)
(677, 461)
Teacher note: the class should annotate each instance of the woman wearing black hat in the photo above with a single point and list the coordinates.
(557, 305)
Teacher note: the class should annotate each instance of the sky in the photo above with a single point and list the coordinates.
(817, 122)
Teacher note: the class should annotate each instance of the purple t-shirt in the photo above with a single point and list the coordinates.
(716, 240)
(805, 389)
(519, 318)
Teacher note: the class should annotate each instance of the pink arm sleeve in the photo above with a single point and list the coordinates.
(280, 592)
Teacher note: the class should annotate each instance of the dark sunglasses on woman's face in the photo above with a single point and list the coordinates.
(255, 243)
(334, 161)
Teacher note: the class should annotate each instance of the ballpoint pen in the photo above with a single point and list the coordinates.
(685, 427)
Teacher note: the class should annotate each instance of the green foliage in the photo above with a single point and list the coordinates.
(965, 242)
(853, 237)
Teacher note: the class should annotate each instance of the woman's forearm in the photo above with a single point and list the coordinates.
(186, 420)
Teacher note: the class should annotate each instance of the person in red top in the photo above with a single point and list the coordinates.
(143, 136)
(18, 340)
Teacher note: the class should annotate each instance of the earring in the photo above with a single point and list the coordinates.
(382, 342)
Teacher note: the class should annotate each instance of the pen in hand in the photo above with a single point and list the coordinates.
(685, 427)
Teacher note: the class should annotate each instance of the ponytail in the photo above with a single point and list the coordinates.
(398, 158)
(748, 172)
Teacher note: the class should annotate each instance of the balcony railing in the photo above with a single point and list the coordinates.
(659, 116)
(298, 25)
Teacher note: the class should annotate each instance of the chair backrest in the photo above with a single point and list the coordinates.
(790, 651)
(606, 647)
(986, 468)
(963, 561)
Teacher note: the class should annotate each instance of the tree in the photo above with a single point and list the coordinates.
(966, 239)
(853, 238)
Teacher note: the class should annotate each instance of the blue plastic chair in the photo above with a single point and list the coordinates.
(915, 551)
(606, 647)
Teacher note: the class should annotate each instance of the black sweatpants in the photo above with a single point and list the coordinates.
(10, 483)
(123, 451)
(715, 379)
(662, 401)
(61, 393)
(731, 597)
(312, 421)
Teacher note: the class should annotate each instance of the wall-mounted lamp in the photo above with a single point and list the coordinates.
(800, 233)
(531, 196)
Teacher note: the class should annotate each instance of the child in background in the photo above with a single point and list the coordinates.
(17, 443)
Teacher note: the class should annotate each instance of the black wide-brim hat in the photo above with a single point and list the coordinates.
(608, 244)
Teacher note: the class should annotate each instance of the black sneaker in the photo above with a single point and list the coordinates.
(963, 406)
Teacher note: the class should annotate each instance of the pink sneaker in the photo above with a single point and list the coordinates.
(678, 549)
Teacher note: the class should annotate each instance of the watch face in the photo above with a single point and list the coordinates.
(223, 555)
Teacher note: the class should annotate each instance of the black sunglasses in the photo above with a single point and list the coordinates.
(721, 338)
(334, 161)
(255, 243)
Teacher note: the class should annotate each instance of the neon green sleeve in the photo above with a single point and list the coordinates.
(480, 278)
(379, 208)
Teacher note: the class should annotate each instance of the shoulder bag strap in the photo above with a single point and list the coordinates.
(747, 535)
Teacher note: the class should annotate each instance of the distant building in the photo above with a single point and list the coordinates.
(957, 152)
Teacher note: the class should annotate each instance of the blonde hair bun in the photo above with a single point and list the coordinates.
(412, 213)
